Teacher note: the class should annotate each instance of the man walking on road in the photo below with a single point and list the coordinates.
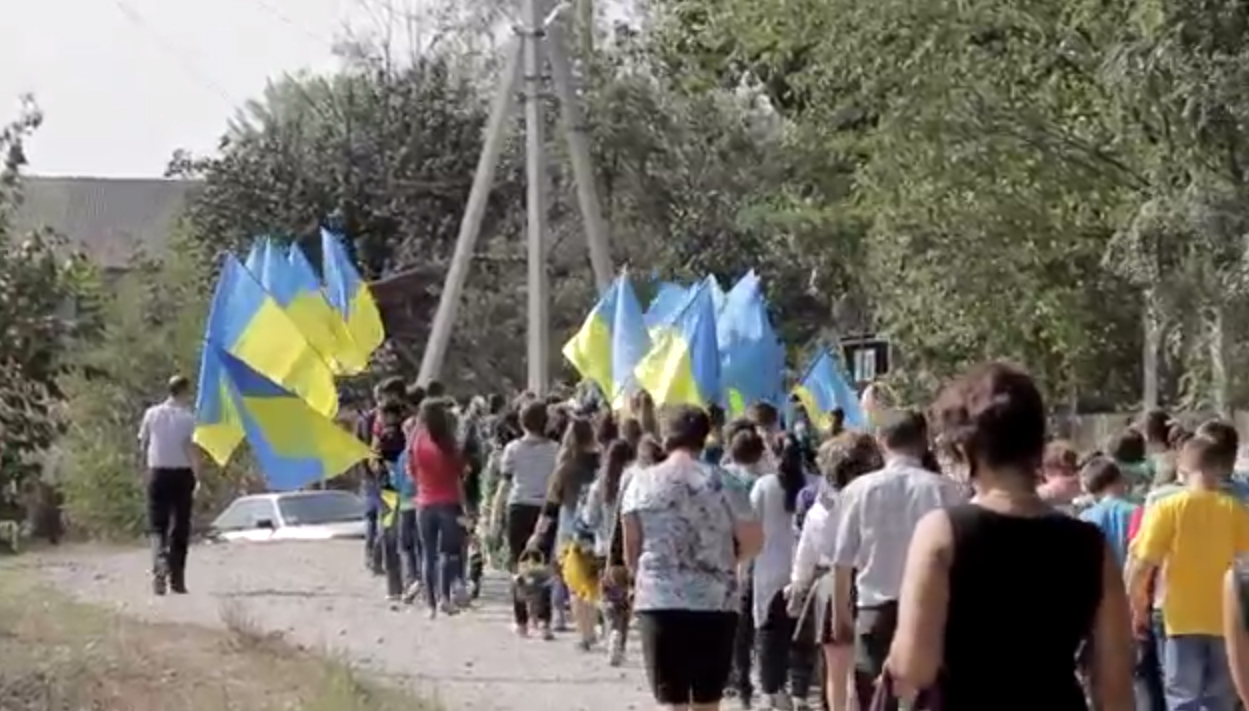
(165, 436)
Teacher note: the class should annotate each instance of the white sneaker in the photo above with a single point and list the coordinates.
(616, 655)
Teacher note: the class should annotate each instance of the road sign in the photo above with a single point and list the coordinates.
(866, 357)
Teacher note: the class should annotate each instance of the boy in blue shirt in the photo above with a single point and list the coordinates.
(1111, 511)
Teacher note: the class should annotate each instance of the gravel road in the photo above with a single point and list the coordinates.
(318, 595)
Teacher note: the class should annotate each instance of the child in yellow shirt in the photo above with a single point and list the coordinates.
(1198, 534)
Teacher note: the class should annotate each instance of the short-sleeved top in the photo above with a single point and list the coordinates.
(1113, 517)
(878, 515)
(1232, 487)
(687, 511)
(437, 474)
(1199, 535)
(528, 463)
(166, 432)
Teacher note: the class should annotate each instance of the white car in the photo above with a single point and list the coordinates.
(291, 516)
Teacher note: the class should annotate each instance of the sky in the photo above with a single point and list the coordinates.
(124, 83)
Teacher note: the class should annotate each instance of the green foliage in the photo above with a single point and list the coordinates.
(1034, 177)
(46, 299)
(153, 322)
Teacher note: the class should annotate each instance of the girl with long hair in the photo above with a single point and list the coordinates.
(600, 514)
(437, 469)
(774, 499)
(576, 465)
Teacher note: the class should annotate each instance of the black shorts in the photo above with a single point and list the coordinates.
(688, 654)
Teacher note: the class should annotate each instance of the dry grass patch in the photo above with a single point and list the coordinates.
(60, 655)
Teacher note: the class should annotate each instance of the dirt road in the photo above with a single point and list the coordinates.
(317, 595)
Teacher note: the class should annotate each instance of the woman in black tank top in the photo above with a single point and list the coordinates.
(1001, 595)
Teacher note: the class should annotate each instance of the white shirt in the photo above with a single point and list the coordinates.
(878, 515)
(773, 564)
(815, 544)
(166, 433)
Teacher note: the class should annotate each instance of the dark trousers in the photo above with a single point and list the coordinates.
(409, 547)
(521, 521)
(373, 540)
(391, 563)
(442, 549)
(744, 645)
(1149, 690)
(873, 633)
(784, 653)
(170, 493)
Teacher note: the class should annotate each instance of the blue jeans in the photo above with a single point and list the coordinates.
(442, 549)
(1195, 676)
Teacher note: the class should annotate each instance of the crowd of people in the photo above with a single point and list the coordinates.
(953, 559)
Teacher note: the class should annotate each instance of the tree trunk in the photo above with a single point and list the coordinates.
(584, 33)
(1220, 388)
(1152, 344)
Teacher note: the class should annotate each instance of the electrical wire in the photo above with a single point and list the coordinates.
(190, 67)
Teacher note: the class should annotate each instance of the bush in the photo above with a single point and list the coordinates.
(152, 326)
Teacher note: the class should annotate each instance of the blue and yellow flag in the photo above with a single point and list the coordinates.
(667, 302)
(218, 428)
(308, 305)
(249, 324)
(629, 342)
(823, 388)
(683, 365)
(752, 359)
(294, 445)
(590, 348)
(350, 297)
(289, 279)
(258, 256)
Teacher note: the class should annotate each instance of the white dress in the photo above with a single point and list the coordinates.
(773, 565)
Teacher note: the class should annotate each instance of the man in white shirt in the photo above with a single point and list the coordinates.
(878, 515)
(165, 437)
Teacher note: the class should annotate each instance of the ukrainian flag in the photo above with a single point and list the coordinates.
(293, 444)
(590, 348)
(290, 280)
(218, 427)
(350, 297)
(629, 342)
(667, 302)
(250, 324)
(752, 359)
(823, 388)
(683, 365)
(257, 258)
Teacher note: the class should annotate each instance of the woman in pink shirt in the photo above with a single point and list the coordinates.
(437, 469)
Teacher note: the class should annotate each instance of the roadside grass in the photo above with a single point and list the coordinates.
(57, 654)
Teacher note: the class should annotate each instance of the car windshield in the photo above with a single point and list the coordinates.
(314, 509)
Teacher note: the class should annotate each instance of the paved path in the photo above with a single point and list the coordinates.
(319, 596)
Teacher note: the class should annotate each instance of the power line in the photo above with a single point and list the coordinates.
(190, 67)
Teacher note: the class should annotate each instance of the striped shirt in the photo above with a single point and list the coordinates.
(528, 463)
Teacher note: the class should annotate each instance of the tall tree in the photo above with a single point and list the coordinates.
(46, 299)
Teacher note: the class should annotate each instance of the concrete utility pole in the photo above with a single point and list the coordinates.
(538, 42)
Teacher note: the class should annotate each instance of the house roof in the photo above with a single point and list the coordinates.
(110, 219)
